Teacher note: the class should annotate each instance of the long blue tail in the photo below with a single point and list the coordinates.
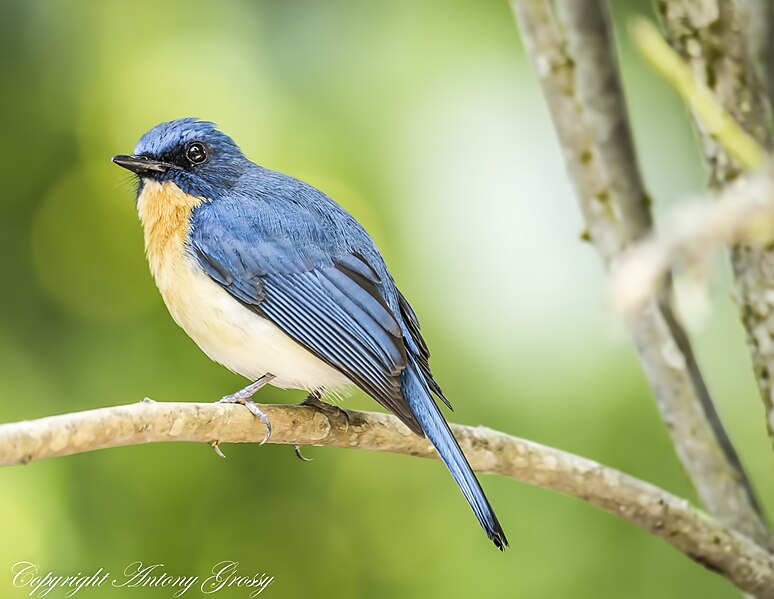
(420, 399)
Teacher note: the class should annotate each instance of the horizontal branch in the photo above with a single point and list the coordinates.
(685, 527)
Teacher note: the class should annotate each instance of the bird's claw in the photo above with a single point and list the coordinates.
(255, 411)
(253, 407)
(216, 448)
(299, 455)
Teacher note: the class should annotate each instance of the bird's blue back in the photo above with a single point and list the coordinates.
(266, 205)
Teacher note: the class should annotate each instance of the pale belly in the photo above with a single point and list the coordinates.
(234, 336)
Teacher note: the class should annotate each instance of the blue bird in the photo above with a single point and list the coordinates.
(275, 281)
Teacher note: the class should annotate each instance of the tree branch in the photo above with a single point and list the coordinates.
(767, 59)
(579, 77)
(715, 120)
(755, 19)
(709, 35)
(688, 529)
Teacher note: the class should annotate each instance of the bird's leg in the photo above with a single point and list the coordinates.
(247, 393)
(314, 401)
(245, 397)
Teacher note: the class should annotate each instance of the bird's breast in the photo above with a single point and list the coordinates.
(223, 328)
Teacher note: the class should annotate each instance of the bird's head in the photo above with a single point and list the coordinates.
(188, 152)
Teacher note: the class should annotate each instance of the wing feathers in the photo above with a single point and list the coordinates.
(334, 308)
(292, 272)
(300, 306)
(355, 263)
(421, 352)
(376, 310)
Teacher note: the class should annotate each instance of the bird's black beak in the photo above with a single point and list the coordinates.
(141, 165)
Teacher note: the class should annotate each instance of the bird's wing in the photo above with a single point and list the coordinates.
(420, 349)
(330, 305)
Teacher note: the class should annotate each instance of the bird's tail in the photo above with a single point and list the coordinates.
(420, 399)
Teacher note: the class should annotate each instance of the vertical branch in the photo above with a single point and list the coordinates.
(753, 17)
(768, 49)
(580, 81)
(605, 120)
(757, 19)
(710, 35)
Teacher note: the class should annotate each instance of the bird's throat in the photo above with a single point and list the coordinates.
(165, 211)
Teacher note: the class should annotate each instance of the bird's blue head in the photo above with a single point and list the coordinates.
(188, 152)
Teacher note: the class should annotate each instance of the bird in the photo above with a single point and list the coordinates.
(278, 283)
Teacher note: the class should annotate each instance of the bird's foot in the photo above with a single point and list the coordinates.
(245, 397)
(329, 410)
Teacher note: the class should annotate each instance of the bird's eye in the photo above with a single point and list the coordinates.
(196, 153)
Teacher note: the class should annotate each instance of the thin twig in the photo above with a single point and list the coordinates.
(693, 532)
(716, 121)
(742, 213)
(580, 82)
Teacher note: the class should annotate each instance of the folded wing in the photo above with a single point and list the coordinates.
(331, 305)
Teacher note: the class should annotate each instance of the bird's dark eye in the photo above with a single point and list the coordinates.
(196, 153)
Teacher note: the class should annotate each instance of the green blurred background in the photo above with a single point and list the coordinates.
(425, 121)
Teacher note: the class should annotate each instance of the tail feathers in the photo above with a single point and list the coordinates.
(422, 404)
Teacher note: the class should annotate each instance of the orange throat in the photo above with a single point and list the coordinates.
(165, 211)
